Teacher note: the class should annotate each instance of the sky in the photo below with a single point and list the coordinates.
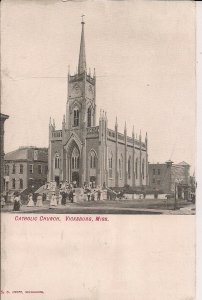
(144, 56)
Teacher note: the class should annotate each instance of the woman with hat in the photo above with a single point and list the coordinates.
(39, 201)
(17, 203)
(30, 200)
(53, 201)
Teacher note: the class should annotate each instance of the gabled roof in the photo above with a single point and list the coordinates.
(19, 154)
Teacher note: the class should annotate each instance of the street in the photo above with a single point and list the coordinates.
(125, 207)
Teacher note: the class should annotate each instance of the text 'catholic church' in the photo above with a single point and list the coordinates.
(85, 152)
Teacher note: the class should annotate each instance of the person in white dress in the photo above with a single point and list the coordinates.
(39, 202)
(30, 201)
(60, 199)
(53, 201)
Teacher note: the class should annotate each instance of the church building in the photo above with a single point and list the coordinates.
(84, 151)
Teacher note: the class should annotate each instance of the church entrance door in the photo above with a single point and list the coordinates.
(57, 180)
(93, 181)
(75, 178)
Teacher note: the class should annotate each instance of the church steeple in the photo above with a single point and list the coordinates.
(82, 54)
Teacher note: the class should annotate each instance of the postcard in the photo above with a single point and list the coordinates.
(98, 130)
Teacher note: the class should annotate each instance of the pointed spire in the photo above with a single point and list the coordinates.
(116, 123)
(82, 54)
(133, 132)
(140, 136)
(105, 115)
(146, 137)
(50, 123)
(125, 128)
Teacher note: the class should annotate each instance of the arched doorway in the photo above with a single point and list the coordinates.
(73, 161)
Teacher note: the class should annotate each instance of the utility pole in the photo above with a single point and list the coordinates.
(175, 199)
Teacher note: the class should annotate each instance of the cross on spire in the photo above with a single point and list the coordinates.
(82, 21)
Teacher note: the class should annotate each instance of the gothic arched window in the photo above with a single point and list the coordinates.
(89, 117)
(121, 167)
(57, 161)
(75, 159)
(136, 168)
(110, 161)
(143, 169)
(129, 168)
(76, 117)
(92, 160)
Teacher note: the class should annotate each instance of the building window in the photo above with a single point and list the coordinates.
(159, 172)
(153, 171)
(110, 163)
(13, 183)
(21, 169)
(21, 184)
(136, 168)
(75, 159)
(89, 117)
(40, 169)
(31, 169)
(14, 169)
(92, 160)
(129, 168)
(46, 169)
(153, 180)
(7, 170)
(158, 182)
(76, 117)
(121, 167)
(57, 161)
(143, 169)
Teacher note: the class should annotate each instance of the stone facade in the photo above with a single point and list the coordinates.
(3, 118)
(26, 167)
(85, 152)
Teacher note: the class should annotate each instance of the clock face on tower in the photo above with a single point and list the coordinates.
(76, 90)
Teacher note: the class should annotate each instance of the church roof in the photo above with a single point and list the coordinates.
(82, 53)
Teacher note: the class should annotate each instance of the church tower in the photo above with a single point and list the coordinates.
(81, 102)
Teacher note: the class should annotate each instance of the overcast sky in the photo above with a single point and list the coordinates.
(144, 56)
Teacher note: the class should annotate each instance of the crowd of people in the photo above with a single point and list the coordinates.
(57, 195)
(53, 195)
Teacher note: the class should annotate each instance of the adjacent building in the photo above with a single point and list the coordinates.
(84, 151)
(3, 118)
(164, 177)
(26, 168)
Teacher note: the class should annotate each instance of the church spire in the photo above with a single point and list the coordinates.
(82, 54)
